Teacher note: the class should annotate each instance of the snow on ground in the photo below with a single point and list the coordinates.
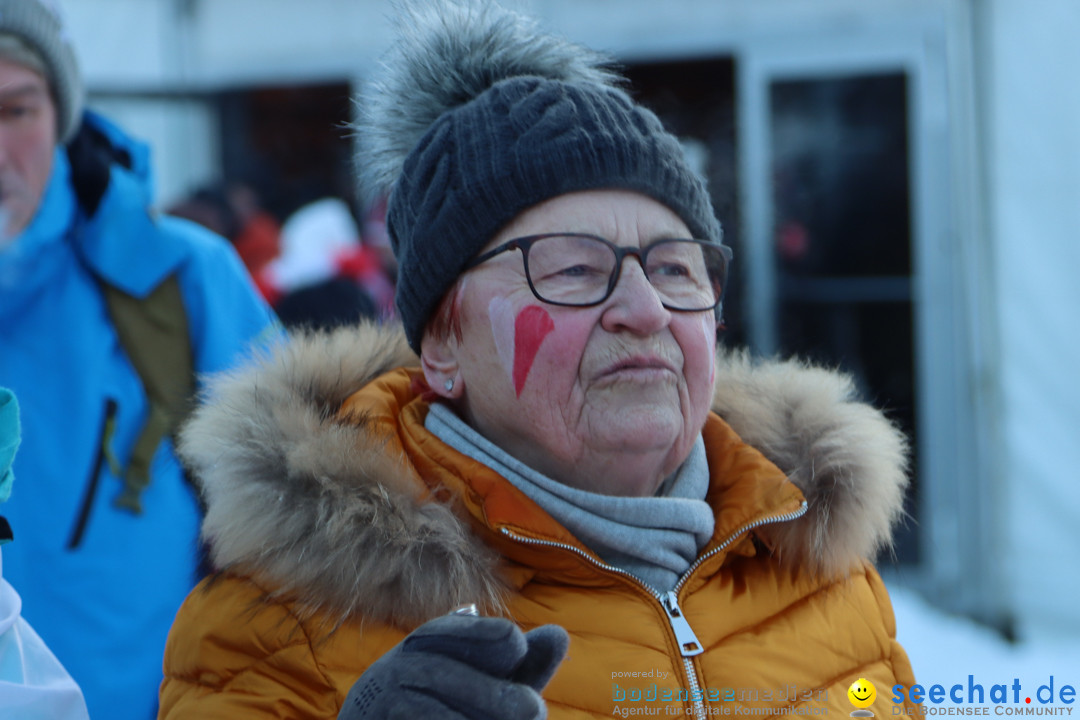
(945, 650)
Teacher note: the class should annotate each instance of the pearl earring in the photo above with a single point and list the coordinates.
(449, 385)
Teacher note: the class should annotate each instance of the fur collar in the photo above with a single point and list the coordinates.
(297, 500)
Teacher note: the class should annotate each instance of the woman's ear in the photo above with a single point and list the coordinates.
(439, 362)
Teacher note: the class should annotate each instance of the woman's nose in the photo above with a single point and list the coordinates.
(634, 304)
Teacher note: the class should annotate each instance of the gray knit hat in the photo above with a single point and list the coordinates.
(480, 117)
(37, 23)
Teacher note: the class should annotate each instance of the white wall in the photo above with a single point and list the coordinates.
(132, 53)
(144, 48)
(120, 43)
(1033, 136)
(144, 43)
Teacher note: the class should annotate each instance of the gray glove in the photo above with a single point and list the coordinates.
(461, 667)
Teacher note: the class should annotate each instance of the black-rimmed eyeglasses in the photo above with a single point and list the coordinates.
(581, 270)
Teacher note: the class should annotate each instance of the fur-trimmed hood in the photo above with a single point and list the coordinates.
(297, 499)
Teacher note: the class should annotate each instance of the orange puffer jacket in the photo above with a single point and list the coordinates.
(340, 523)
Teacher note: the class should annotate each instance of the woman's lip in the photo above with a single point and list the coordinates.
(639, 364)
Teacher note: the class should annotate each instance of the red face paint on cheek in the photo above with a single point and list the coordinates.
(530, 328)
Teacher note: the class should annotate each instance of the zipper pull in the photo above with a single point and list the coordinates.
(684, 634)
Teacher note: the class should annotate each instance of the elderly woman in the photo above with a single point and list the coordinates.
(643, 525)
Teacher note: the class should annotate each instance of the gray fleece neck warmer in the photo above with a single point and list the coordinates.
(654, 538)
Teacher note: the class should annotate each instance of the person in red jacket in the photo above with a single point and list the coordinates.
(547, 494)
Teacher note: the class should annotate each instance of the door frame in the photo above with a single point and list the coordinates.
(959, 510)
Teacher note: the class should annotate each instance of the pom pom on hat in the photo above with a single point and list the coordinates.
(480, 116)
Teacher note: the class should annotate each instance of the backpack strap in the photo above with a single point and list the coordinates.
(154, 333)
(153, 330)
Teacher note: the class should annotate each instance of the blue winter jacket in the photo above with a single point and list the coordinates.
(103, 595)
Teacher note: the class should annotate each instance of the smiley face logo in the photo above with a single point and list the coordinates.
(862, 694)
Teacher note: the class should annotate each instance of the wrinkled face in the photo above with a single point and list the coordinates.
(27, 140)
(607, 398)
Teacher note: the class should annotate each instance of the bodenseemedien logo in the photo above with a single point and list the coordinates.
(862, 694)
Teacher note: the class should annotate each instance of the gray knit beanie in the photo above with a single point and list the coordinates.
(37, 23)
(480, 117)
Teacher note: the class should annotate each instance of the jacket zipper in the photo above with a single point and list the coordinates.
(95, 476)
(689, 645)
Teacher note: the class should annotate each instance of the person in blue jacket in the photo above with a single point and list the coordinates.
(101, 581)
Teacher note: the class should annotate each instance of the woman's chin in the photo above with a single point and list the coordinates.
(640, 428)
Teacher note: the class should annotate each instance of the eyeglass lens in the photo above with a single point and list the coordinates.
(579, 270)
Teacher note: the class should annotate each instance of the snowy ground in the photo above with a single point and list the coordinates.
(945, 650)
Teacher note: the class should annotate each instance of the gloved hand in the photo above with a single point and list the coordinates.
(461, 667)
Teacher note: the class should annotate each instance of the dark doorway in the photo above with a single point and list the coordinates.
(290, 143)
(842, 221)
(843, 239)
